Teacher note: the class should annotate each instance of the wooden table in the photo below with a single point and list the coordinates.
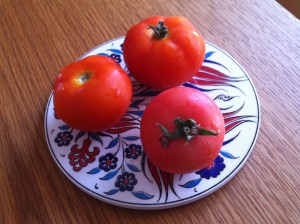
(38, 38)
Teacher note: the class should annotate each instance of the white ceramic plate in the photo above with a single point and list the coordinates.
(111, 165)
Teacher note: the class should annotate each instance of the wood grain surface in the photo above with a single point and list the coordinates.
(39, 37)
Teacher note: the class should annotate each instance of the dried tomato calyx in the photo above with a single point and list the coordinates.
(160, 30)
(84, 77)
(186, 129)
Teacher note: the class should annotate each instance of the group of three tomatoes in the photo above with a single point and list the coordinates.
(182, 129)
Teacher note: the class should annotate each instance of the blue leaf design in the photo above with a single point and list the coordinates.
(64, 127)
(132, 138)
(135, 104)
(216, 63)
(143, 163)
(80, 134)
(133, 167)
(187, 84)
(115, 51)
(228, 155)
(110, 175)
(230, 140)
(224, 98)
(103, 54)
(103, 134)
(191, 183)
(113, 143)
(96, 137)
(208, 54)
(142, 195)
(139, 113)
(226, 108)
(111, 192)
(94, 171)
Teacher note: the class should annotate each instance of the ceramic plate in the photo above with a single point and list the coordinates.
(111, 165)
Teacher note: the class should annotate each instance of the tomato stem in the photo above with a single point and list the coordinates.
(160, 30)
(84, 77)
(187, 129)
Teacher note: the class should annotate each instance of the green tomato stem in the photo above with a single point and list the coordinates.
(160, 30)
(187, 129)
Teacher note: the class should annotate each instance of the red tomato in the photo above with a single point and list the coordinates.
(176, 144)
(92, 94)
(163, 52)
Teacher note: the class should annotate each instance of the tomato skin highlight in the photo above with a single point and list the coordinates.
(92, 94)
(182, 156)
(167, 62)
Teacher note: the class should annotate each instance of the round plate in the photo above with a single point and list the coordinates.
(111, 165)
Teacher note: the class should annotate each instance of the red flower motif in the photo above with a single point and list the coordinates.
(80, 157)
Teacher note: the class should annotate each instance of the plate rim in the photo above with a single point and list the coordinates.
(166, 205)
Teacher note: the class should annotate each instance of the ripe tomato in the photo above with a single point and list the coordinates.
(163, 52)
(92, 94)
(172, 141)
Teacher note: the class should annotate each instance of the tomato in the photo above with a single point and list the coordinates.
(163, 52)
(182, 130)
(92, 94)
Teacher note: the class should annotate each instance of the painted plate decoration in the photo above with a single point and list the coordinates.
(112, 166)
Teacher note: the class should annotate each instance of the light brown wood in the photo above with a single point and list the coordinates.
(38, 38)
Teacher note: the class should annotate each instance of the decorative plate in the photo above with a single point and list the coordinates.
(111, 165)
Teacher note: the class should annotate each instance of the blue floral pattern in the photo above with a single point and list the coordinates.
(126, 181)
(117, 57)
(133, 151)
(63, 138)
(108, 162)
(213, 170)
